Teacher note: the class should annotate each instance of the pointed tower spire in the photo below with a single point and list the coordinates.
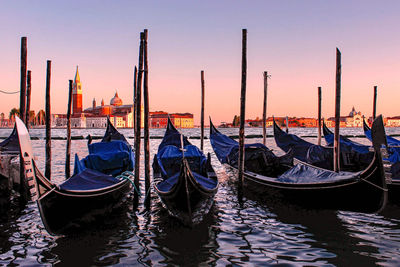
(77, 94)
(77, 78)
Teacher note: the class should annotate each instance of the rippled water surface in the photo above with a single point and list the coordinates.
(254, 232)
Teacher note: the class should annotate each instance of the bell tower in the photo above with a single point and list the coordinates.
(77, 94)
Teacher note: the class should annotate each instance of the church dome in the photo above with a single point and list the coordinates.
(116, 101)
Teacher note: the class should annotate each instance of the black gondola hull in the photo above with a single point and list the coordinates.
(65, 211)
(187, 200)
(355, 195)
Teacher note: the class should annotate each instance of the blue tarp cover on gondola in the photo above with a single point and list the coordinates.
(305, 174)
(172, 137)
(393, 149)
(108, 157)
(286, 142)
(88, 180)
(225, 146)
(167, 184)
(169, 158)
(329, 138)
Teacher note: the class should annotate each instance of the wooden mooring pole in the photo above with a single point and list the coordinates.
(138, 120)
(287, 124)
(28, 98)
(47, 172)
(68, 152)
(374, 104)
(22, 93)
(146, 124)
(242, 114)
(134, 98)
(202, 112)
(22, 102)
(336, 149)
(319, 115)
(264, 123)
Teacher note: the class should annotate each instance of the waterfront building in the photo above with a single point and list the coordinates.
(159, 119)
(393, 121)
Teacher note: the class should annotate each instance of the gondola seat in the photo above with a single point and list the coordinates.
(88, 180)
(167, 184)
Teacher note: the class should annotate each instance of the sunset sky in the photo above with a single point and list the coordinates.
(294, 41)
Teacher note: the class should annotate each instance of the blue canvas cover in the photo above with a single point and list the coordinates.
(167, 184)
(393, 149)
(170, 158)
(78, 165)
(286, 142)
(111, 158)
(88, 180)
(222, 145)
(320, 156)
(306, 174)
(329, 138)
(172, 138)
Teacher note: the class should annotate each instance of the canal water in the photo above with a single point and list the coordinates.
(254, 232)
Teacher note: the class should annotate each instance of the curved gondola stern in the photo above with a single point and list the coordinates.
(325, 129)
(112, 133)
(378, 140)
(10, 144)
(277, 130)
(213, 129)
(36, 182)
(365, 126)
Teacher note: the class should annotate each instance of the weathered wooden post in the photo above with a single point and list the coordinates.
(47, 172)
(134, 98)
(242, 113)
(202, 112)
(319, 115)
(287, 124)
(22, 93)
(138, 119)
(28, 98)
(68, 153)
(146, 124)
(374, 104)
(264, 124)
(336, 149)
(22, 102)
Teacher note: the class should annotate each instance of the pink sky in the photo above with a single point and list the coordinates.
(295, 42)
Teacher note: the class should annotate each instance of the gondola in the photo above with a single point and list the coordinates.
(393, 162)
(321, 156)
(10, 145)
(88, 195)
(184, 179)
(393, 151)
(305, 184)
(9, 151)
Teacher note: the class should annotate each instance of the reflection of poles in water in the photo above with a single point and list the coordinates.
(320, 230)
(102, 244)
